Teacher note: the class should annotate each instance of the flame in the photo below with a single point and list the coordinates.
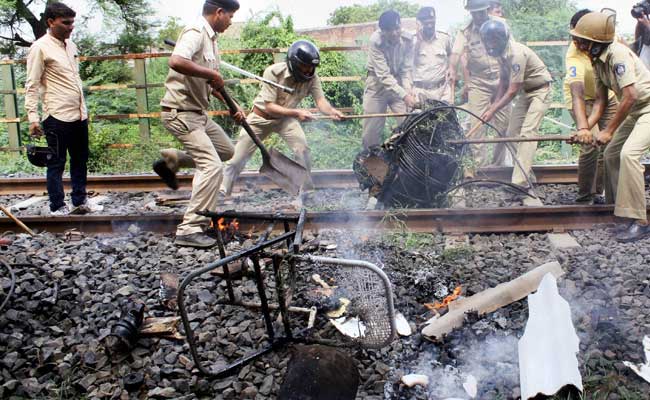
(447, 300)
(233, 225)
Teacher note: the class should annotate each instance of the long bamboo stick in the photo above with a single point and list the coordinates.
(17, 221)
(549, 138)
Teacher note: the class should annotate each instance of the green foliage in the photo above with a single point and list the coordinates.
(170, 30)
(17, 18)
(357, 13)
(456, 253)
(514, 8)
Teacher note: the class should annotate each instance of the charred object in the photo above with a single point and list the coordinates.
(319, 373)
(416, 167)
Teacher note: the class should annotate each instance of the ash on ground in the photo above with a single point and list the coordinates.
(51, 334)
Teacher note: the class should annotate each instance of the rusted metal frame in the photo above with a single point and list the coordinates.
(283, 302)
(261, 292)
(11, 104)
(488, 220)
(226, 269)
(135, 56)
(341, 179)
(142, 98)
(254, 253)
(189, 332)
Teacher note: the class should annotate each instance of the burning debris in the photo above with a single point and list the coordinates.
(416, 167)
(489, 300)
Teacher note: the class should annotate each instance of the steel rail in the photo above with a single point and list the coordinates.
(334, 179)
(454, 221)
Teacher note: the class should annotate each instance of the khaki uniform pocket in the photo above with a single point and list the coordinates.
(176, 123)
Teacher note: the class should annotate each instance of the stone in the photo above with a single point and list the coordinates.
(165, 393)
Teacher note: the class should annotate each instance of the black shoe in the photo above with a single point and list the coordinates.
(633, 233)
(596, 199)
(167, 175)
(196, 240)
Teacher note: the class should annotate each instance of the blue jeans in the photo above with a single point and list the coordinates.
(68, 138)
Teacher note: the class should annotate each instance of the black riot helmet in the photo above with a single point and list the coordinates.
(40, 156)
(303, 53)
(495, 36)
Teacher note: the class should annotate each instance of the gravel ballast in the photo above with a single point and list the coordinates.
(52, 332)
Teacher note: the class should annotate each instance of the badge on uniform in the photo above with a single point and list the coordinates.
(619, 69)
(516, 68)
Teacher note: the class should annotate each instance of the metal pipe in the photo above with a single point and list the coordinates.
(548, 138)
(244, 72)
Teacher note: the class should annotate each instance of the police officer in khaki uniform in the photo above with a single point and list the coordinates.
(528, 77)
(192, 77)
(579, 96)
(627, 136)
(275, 111)
(483, 78)
(496, 9)
(389, 82)
(431, 60)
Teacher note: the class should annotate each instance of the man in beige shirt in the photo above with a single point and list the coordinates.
(193, 76)
(389, 82)
(276, 111)
(53, 77)
(431, 60)
(529, 80)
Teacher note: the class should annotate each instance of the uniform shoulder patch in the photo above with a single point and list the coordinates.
(516, 68)
(619, 69)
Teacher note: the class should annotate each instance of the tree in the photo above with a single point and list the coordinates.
(22, 25)
(356, 13)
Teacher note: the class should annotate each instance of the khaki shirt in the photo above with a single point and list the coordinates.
(198, 43)
(481, 66)
(579, 69)
(431, 61)
(526, 67)
(390, 66)
(53, 75)
(617, 68)
(280, 73)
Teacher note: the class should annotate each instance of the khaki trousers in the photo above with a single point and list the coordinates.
(623, 169)
(479, 100)
(527, 116)
(204, 141)
(377, 101)
(288, 128)
(591, 165)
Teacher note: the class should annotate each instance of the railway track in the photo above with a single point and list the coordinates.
(452, 221)
(561, 174)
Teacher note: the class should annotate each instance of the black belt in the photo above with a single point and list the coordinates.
(167, 109)
(545, 84)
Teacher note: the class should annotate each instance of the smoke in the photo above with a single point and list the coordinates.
(493, 358)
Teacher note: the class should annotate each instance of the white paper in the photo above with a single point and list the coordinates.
(351, 327)
(414, 379)
(643, 370)
(402, 325)
(471, 386)
(548, 350)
